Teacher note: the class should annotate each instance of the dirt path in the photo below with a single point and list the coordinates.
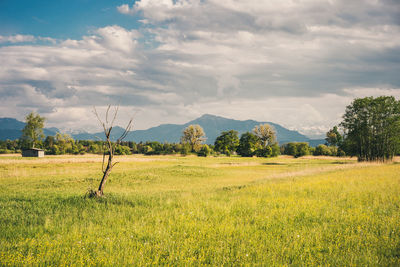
(77, 159)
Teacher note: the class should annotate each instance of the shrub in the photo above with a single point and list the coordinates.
(265, 152)
(186, 149)
(297, 149)
(322, 150)
(248, 145)
(204, 151)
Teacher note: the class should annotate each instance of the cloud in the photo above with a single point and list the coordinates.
(300, 47)
(19, 38)
(124, 9)
(297, 63)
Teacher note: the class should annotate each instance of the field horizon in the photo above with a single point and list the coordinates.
(192, 210)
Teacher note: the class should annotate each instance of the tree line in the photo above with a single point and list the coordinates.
(260, 142)
(370, 130)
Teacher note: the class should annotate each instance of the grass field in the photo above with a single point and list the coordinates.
(189, 210)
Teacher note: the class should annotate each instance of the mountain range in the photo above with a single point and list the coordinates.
(213, 126)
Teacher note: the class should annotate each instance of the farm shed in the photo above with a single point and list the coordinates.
(33, 152)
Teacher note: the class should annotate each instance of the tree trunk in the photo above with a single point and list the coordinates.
(107, 172)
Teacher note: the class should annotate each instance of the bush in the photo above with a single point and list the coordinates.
(290, 149)
(275, 150)
(322, 150)
(122, 150)
(204, 151)
(297, 149)
(186, 149)
(147, 150)
(264, 152)
(248, 145)
(6, 151)
(303, 149)
(227, 142)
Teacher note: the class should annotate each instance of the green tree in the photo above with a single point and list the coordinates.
(248, 145)
(64, 143)
(333, 137)
(275, 150)
(303, 149)
(372, 127)
(227, 142)
(297, 149)
(185, 149)
(204, 151)
(122, 150)
(290, 149)
(323, 150)
(193, 135)
(49, 143)
(33, 130)
(265, 152)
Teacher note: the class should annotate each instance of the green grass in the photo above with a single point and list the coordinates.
(189, 210)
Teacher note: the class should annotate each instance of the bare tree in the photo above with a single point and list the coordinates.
(109, 146)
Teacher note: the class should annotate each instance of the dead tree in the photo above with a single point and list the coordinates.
(109, 147)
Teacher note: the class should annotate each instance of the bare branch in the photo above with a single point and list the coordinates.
(115, 115)
(127, 130)
(108, 109)
(98, 117)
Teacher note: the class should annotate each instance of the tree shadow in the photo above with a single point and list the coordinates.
(341, 162)
(274, 164)
(233, 187)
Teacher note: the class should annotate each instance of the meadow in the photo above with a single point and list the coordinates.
(177, 210)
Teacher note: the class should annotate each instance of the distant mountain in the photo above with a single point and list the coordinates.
(115, 134)
(12, 129)
(212, 125)
(11, 124)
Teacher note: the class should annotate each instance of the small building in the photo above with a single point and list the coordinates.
(33, 152)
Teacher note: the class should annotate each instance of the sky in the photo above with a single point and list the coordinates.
(297, 63)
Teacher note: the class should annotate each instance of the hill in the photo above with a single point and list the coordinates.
(11, 129)
(212, 125)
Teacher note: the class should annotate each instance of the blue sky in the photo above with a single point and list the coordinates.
(297, 63)
(61, 19)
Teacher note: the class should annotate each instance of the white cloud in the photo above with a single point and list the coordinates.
(117, 38)
(124, 9)
(297, 63)
(359, 92)
(19, 38)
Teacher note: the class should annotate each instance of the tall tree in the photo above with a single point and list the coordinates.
(333, 137)
(64, 142)
(248, 144)
(266, 134)
(227, 142)
(33, 130)
(193, 135)
(372, 128)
